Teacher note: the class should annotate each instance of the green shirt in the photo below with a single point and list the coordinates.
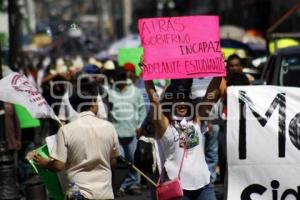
(128, 110)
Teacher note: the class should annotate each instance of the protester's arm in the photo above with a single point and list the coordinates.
(160, 121)
(113, 162)
(58, 154)
(51, 164)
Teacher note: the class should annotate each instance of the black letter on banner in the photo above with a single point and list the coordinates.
(294, 131)
(252, 189)
(242, 137)
(290, 192)
(279, 100)
(275, 185)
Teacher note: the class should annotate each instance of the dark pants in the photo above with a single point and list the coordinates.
(74, 198)
(128, 146)
(205, 193)
(82, 198)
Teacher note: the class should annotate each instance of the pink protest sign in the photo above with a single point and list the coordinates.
(181, 47)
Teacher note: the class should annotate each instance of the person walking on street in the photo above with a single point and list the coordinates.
(127, 114)
(86, 148)
(181, 134)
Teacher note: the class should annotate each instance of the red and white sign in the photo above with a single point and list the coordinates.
(17, 89)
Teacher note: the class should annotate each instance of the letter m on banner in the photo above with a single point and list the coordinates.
(278, 101)
(263, 143)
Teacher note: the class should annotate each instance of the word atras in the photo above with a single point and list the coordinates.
(164, 25)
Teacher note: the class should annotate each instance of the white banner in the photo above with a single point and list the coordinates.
(263, 143)
(16, 88)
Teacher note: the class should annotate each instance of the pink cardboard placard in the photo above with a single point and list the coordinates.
(181, 47)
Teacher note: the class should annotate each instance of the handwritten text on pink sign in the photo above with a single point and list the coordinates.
(181, 47)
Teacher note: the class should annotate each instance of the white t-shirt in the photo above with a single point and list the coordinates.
(194, 173)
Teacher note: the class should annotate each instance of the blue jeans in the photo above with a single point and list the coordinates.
(127, 148)
(211, 151)
(205, 193)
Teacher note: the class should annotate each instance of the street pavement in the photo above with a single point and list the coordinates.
(121, 171)
(146, 195)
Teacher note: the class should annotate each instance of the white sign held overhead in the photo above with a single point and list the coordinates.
(263, 143)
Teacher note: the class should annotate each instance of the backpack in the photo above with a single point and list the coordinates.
(144, 157)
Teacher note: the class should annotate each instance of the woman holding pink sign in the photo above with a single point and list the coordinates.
(182, 140)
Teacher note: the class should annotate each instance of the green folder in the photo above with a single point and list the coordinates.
(49, 178)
